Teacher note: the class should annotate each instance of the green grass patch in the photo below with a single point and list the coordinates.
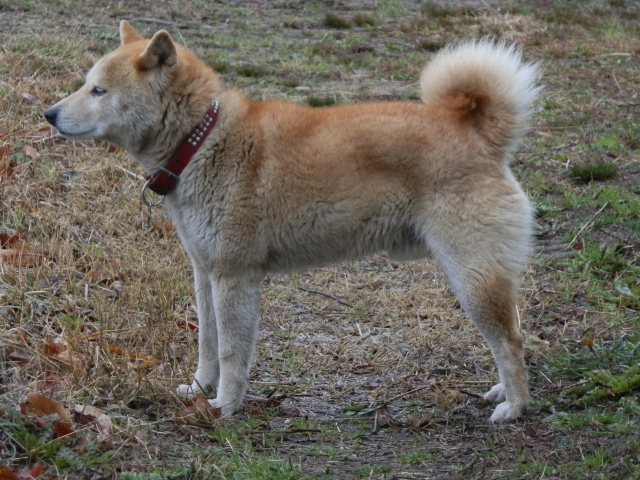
(321, 101)
(250, 70)
(332, 20)
(363, 20)
(589, 172)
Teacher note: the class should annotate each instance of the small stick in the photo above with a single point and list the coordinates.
(606, 204)
(384, 404)
(326, 295)
(474, 395)
(155, 20)
(131, 174)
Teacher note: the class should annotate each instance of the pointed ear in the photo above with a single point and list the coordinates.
(128, 33)
(160, 51)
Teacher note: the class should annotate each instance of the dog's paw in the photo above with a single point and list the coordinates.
(497, 394)
(187, 392)
(227, 409)
(507, 411)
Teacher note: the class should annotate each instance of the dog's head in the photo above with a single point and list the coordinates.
(128, 92)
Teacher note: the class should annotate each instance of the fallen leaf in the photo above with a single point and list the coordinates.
(587, 342)
(9, 240)
(198, 410)
(21, 358)
(187, 325)
(7, 169)
(39, 405)
(94, 414)
(147, 361)
(58, 349)
(21, 256)
(163, 227)
(31, 99)
(362, 367)
(371, 385)
(29, 151)
(264, 334)
(7, 474)
(4, 151)
(36, 470)
(113, 148)
(578, 246)
(95, 276)
(54, 346)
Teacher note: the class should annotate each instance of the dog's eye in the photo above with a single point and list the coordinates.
(97, 91)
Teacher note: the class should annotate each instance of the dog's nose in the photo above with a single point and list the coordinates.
(51, 114)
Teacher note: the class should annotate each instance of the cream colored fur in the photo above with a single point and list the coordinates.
(278, 186)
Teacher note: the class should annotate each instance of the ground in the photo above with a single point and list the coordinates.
(366, 369)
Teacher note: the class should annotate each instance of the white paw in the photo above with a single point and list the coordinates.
(227, 408)
(189, 391)
(506, 411)
(497, 394)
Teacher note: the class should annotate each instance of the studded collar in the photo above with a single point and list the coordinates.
(165, 179)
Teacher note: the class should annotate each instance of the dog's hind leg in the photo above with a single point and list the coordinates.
(237, 305)
(482, 250)
(488, 296)
(208, 372)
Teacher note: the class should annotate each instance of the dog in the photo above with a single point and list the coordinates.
(276, 186)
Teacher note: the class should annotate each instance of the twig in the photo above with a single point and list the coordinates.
(474, 395)
(326, 295)
(606, 204)
(155, 20)
(384, 404)
(131, 174)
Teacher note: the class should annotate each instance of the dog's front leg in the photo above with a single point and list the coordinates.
(208, 372)
(237, 304)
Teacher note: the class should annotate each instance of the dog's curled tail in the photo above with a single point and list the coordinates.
(488, 86)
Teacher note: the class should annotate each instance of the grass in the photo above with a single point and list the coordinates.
(594, 172)
(107, 281)
(332, 20)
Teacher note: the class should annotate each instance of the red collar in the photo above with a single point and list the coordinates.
(165, 179)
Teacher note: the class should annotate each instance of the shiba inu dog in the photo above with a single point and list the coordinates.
(275, 186)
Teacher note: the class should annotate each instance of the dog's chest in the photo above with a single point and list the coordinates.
(197, 229)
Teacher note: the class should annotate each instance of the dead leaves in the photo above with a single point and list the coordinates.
(17, 252)
(22, 473)
(32, 99)
(37, 406)
(96, 417)
(22, 255)
(146, 361)
(7, 167)
(58, 349)
(198, 413)
(187, 325)
(164, 227)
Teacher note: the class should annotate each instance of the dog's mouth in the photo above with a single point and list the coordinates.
(70, 135)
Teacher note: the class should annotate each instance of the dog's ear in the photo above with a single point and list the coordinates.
(160, 51)
(128, 34)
